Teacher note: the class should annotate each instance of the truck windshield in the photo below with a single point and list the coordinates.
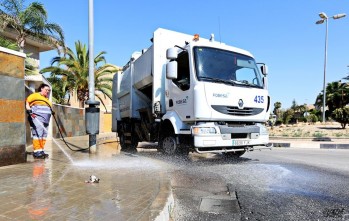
(217, 65)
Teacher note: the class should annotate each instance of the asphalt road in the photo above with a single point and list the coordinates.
(281, 184)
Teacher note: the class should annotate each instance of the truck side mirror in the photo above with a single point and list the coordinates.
(171, 70)
(172, 53)
(264, 69)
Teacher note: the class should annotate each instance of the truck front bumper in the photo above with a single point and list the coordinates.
(257, 137)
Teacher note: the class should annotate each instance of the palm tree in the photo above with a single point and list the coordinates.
(31, 66)
(60, 92)
(341, 115)
(294, 105)
(337, 96)
(337, 93)
(277, 105)
(277, 110)
(29, 21)
(75, 68)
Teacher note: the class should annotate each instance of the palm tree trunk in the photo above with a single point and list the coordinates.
(81, 104)
(21, 43)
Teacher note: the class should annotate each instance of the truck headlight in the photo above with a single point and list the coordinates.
(204, 130)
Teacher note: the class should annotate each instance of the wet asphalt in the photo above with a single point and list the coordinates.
(281, 184)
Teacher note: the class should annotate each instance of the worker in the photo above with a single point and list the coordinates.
(39, 108)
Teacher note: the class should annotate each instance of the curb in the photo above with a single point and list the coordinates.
(334, 146)
(328, 143)
(281, 144)
(313, 145)
(106, 136)
(165, 195)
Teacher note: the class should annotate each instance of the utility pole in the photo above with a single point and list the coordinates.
(92, 112)
(324, 18)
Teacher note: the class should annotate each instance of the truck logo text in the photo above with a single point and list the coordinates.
(220, 95)
(182, 101)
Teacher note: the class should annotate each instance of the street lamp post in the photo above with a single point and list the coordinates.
(92, 112)
(324, 18)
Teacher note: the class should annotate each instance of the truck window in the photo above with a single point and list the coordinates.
(217, 65)
(183, 79)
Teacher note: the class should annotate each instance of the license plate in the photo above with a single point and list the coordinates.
(241, 142)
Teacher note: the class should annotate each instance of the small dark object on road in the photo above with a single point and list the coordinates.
(93, 179)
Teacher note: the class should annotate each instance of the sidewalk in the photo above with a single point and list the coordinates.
(130, 187)
(322, 143)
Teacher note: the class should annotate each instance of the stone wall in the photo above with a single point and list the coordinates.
(12, 107)
(70, 120)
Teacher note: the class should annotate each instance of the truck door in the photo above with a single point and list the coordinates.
(179, 91)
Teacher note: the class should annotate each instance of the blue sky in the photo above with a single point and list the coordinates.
(282, 34)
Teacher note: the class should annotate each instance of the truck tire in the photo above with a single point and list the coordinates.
(127, 146)
(133, 146)
(124, 143)
(168, 141)
(169, 145)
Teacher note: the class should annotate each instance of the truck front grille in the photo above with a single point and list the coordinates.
(235, 111)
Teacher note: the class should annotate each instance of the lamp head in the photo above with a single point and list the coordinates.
(323, 15)
(338, 16)
(320, 22)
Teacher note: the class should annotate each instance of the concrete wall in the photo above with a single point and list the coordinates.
(12, 107)
(105, 122)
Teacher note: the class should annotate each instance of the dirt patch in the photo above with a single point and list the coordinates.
(329, 129)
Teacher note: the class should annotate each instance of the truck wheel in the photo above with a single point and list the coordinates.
(123, 144)
(133, 145)
(169, 145)
(127, 145)
(121, 139)
(236, 154)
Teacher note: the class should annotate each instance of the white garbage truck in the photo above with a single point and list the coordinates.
(188, 93)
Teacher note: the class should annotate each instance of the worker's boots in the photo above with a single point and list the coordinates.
(40, 155)
(44, 154)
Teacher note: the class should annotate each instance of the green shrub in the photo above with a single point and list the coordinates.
(341, 115)
(278, 122)
(307, 134)
(338, 134)
(285, 134)
(312, 118)
(319, 134)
